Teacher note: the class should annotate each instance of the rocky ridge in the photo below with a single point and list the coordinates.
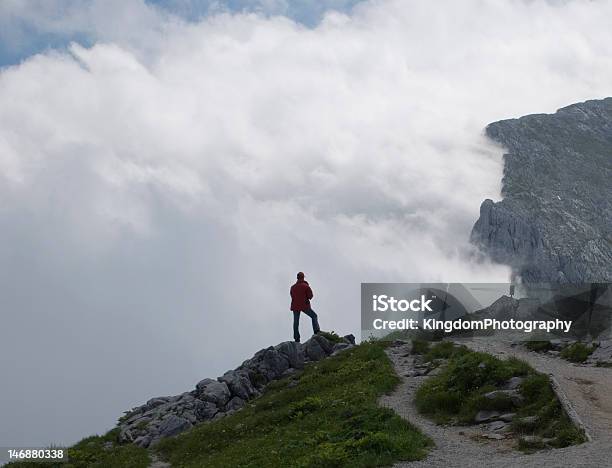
(212, 399)
(553, 224)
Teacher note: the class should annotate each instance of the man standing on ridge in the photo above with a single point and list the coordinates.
(301, 294)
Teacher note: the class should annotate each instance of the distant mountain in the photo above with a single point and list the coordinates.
(555, 220)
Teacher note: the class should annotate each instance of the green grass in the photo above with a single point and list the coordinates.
(332, 336)
(419, 346)
(329, 419)
(91, 452)
(457, 394)
(444, 350)
(577, 352)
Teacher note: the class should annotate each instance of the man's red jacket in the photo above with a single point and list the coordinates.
(300, 296)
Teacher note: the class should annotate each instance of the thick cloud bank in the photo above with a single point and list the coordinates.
(158, 196)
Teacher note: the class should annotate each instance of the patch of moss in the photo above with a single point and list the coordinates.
(577, 352)
(332, 336)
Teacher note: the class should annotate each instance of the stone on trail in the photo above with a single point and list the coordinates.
(507, 417)
(486, 416)
(497, 426)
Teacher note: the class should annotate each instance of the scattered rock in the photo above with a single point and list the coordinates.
(507, 417)
(173, 425)
(497, 426)
(486, 416)
(143, 441)
(513, 383)
(338, 347)
(512, 395)
(493, 436)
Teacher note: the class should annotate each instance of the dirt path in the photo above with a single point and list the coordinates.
(455, 446)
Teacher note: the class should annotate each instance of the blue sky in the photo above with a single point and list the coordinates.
(22, 34)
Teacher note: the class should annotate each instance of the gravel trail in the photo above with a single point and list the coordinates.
(589, 389)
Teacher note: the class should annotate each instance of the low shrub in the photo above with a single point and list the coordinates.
(577, 352)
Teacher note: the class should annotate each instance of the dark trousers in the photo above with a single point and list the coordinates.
(296, 323)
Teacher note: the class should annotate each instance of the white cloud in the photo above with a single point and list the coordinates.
(158, 196)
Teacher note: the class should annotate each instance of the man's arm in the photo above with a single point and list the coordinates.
(309, 293)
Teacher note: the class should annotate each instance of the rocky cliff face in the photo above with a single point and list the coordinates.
(212, 399)
(555, 220)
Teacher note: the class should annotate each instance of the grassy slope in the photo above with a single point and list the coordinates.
(456, 394)
(330, 418)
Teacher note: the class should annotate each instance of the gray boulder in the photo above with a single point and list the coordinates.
(324, 343)
(513, 383)
(143, 441)
(485, 416)
(314, 350)
(512, 395)
(349, 338)
(292, 351)
(173, 425)
(235, 404)
(239, 383)
(603, 353)
(267, 364)
(214, 391)
(497, 426)
(205, 410)
(338, 347)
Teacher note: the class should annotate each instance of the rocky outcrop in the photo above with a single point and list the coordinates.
(211, 399)
(553, 224)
